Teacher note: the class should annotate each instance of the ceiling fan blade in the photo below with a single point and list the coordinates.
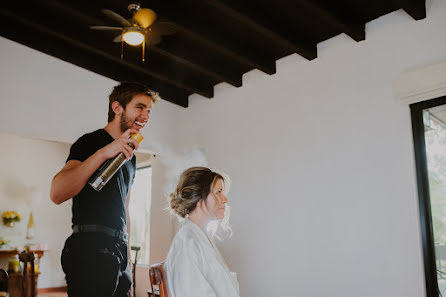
(118, 38)
(163, 28)
(153, 39)
(106, 28)
(113, 15)
(144, 17)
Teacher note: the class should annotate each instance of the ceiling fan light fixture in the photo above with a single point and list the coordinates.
(133, 36)
(145, 17)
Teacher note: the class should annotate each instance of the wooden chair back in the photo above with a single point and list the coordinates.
(158, 279)
(28, 282)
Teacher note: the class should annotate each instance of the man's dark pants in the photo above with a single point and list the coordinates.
(95, 264)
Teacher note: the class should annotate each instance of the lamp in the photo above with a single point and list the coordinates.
(133, 36)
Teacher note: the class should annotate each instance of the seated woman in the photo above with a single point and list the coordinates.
(194, 267)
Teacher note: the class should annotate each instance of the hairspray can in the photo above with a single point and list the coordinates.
(109, 168)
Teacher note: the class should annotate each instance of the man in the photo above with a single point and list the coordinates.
(96, 256)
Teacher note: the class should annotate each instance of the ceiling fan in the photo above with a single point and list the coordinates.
(143, 27)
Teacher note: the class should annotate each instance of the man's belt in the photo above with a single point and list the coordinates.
(102, 229)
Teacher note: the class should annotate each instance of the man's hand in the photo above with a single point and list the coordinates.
(121, 144)
(75, 174)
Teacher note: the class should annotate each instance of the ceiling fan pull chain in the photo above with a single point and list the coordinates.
(122, 46)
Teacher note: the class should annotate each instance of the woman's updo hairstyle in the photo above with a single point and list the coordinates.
(194, 185)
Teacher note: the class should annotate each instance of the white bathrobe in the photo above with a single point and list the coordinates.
(195, 268)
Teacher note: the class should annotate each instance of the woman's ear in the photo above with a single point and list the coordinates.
(117, 108)
(202, 205)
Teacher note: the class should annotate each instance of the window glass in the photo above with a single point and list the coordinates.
(434, 120)
(139, 212)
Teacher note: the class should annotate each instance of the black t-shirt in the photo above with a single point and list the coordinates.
(106, 207)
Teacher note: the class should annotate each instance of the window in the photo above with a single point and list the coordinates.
(429, 134)
(139, 212)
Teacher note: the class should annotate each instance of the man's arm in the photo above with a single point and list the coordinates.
(73, 177)
(75, 174)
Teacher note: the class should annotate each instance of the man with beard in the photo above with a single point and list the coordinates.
(96, 257)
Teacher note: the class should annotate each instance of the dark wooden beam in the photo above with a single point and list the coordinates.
(182, 47)
(188, 20)
(355, 31)
(233, 79)
(415, 8)
(281, 36)
(63, 47)
(207, 40)
(269, 67)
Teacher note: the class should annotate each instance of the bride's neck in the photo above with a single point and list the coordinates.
(199, 218)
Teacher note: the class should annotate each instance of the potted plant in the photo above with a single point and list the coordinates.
(10, 217)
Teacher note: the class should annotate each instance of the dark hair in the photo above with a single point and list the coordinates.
(124, 93)
(194, 185)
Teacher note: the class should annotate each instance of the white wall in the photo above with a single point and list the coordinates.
(320, 154)
(27, 166)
